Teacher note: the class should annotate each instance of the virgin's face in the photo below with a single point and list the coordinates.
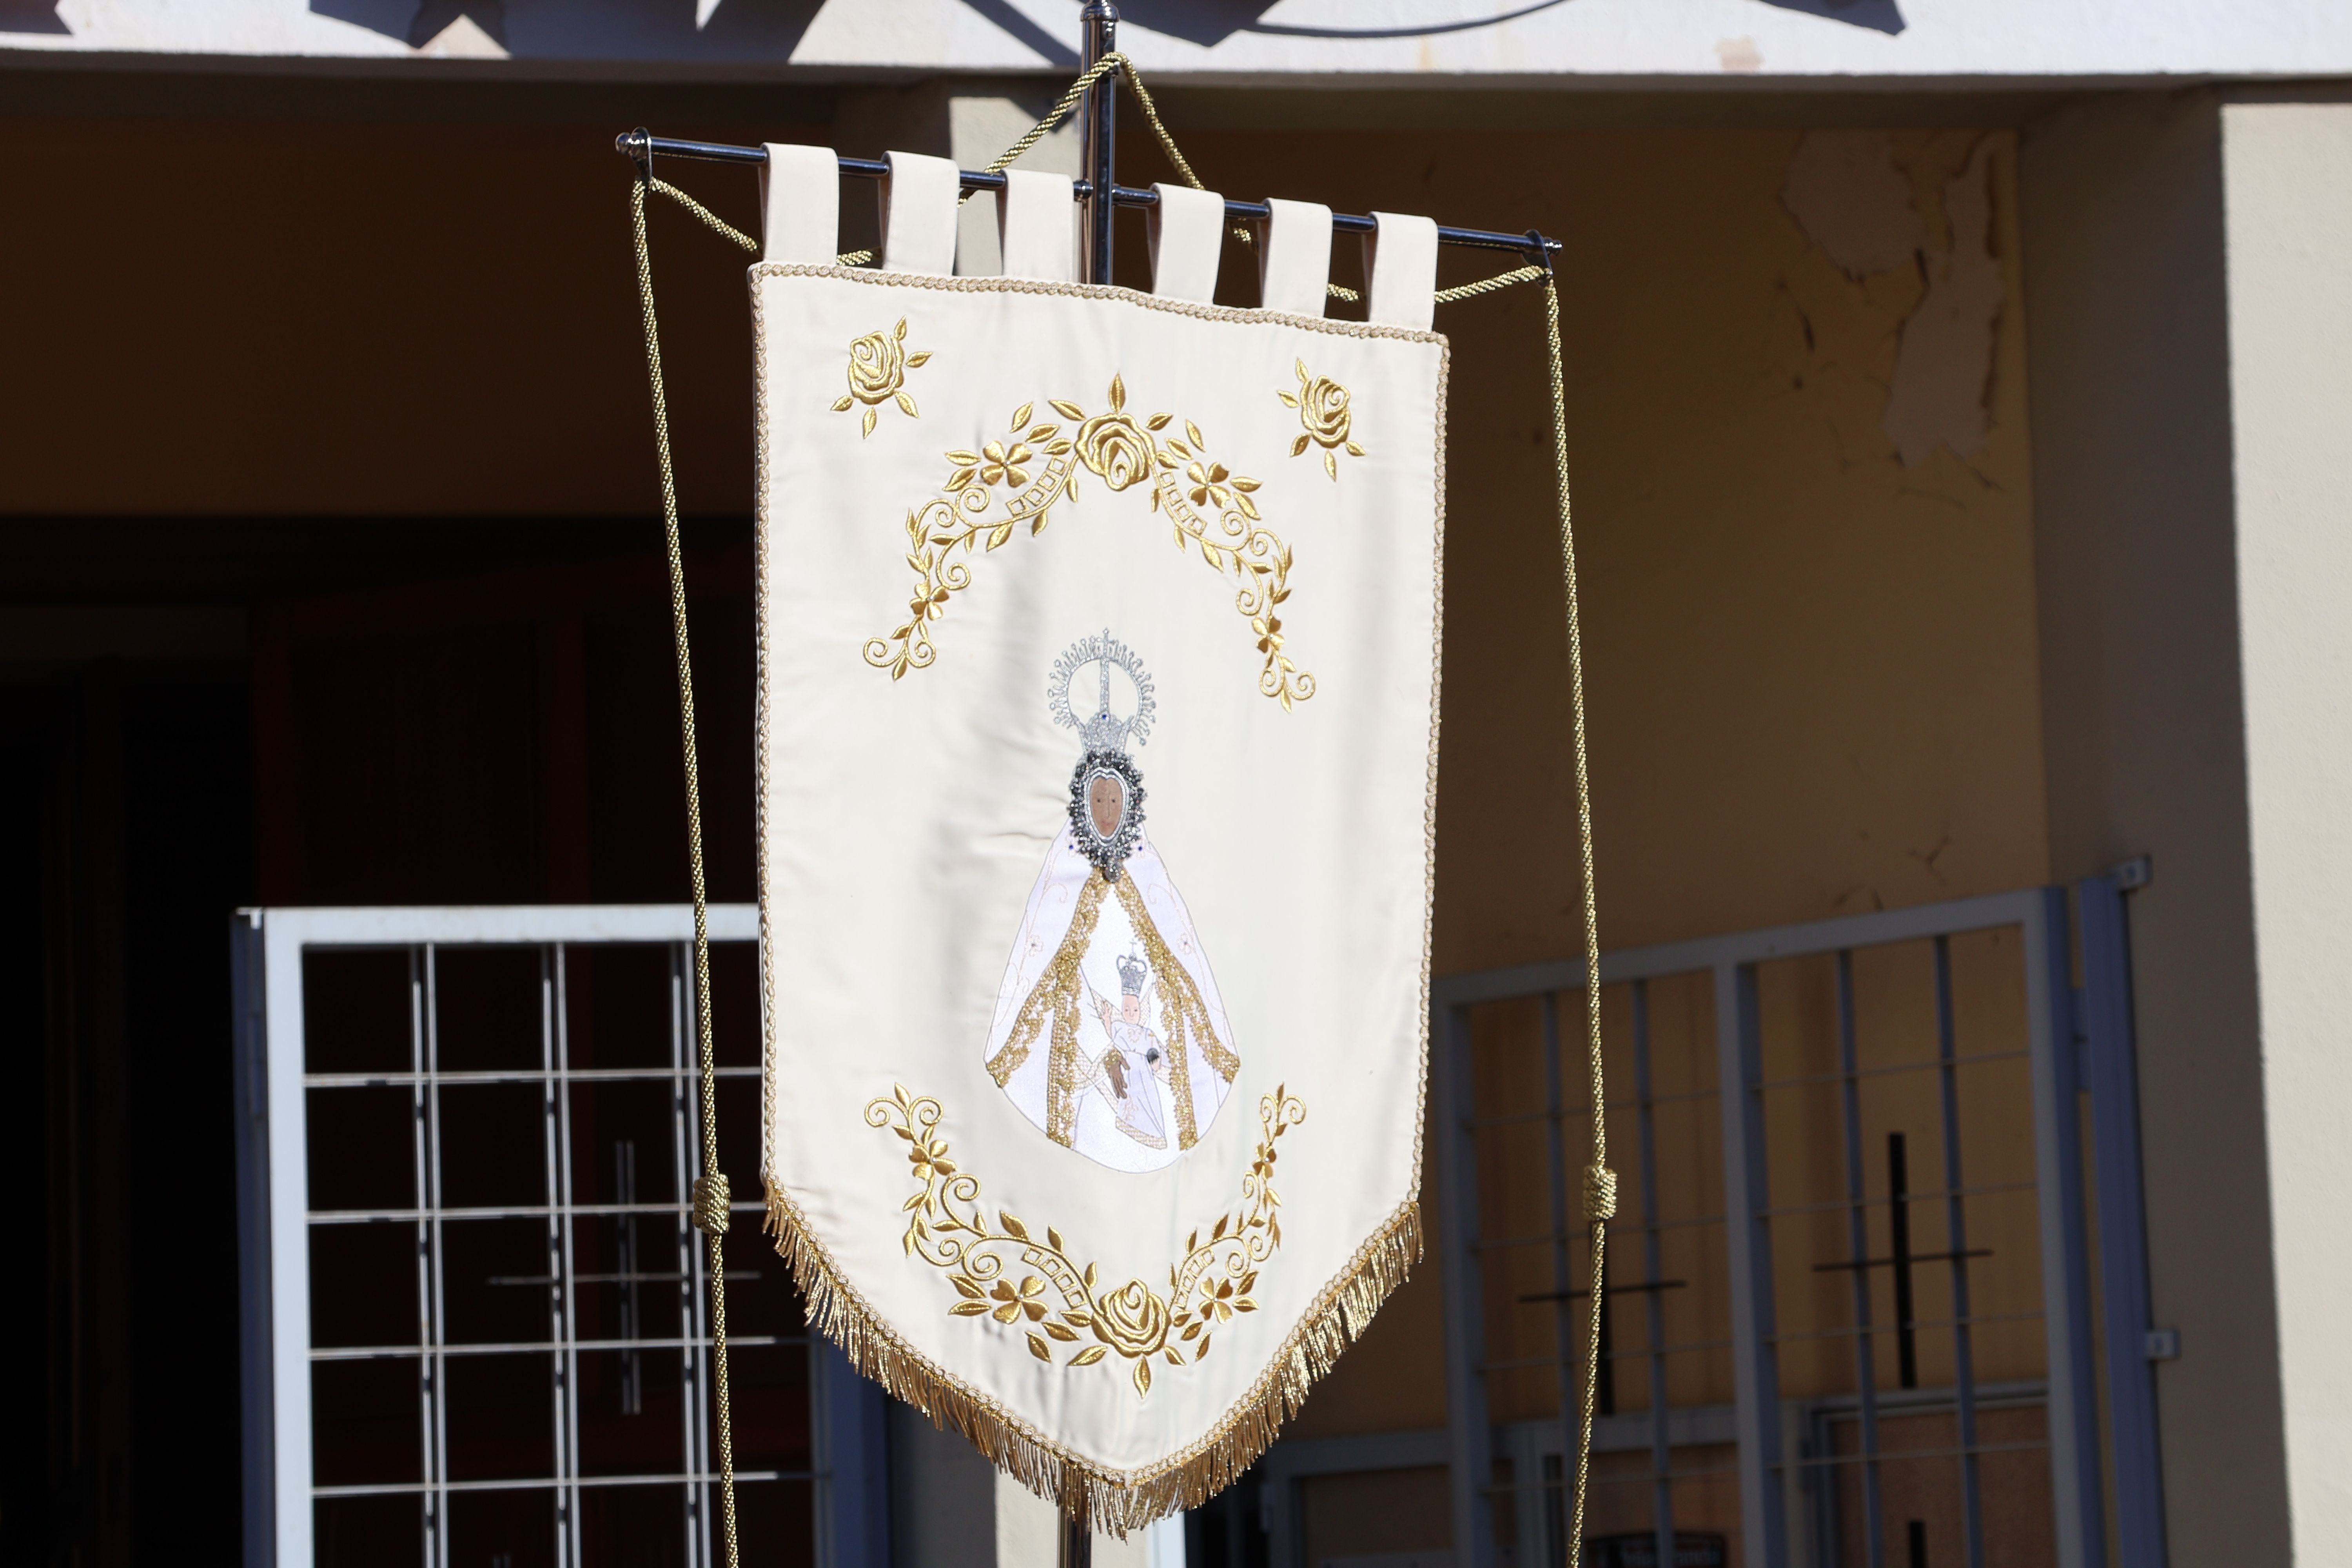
(1131, 1009)
(1106, 803)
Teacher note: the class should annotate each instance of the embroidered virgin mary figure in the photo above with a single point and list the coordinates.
(1130, 1083)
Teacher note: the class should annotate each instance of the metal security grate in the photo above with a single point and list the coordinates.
(550, 1323)
(1849, 1294)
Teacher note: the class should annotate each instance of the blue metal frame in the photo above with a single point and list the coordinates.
(850, 1439)
(2110, 1071)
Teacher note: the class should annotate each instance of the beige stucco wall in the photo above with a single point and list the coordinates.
(2286, 172)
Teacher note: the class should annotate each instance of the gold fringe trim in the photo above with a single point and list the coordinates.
(1113, 1502)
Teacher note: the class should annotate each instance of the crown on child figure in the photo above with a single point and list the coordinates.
(1102, 731)
(1132, 973)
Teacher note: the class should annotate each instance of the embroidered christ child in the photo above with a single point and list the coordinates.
(1133, 1084)
(1133, 1069)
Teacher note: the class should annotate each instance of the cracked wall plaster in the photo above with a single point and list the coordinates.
(1847, 193)
(1943, 374)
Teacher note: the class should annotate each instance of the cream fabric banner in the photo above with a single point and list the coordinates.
(1097, 737)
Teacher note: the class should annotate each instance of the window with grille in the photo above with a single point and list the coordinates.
(475, 1312)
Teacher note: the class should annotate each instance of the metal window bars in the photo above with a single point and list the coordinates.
(1810, 1469)
(277, 1223)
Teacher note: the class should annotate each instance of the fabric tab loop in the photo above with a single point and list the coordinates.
(800, 204)
(1400, 271)
(1186, 228)
(918, 214)
(1294, 272)
(1037, 227)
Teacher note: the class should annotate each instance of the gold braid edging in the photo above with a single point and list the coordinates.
(1112, 1501)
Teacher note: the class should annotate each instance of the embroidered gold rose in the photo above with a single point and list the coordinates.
(1323, 416)
(1036, 466)
(1056, 1301)
(878, 364)
(1114, 446)
(1132, 1320)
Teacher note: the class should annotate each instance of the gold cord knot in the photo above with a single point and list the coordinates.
(710, 1204)
(1600, 1192)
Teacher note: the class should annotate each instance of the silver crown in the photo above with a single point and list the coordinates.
(1132, 973)
(1103, 731)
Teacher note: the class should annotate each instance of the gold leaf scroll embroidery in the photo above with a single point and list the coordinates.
(1056, 1301)
(1325, 415)
(878, 364)
(1036, 466)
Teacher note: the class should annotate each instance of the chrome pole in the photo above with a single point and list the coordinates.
(1098, 126)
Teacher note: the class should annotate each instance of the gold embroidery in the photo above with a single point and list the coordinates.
(1323, 410)
(1182, 1016)
(1123, 451)
(1065, 1303)
(878, 364)
(1055, 999)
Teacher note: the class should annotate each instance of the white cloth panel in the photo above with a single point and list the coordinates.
(1400, 271)
(1025, 1029)
(919, 212)
(1188, 236)
(800, 203)
(1294, 270)
(1037, 227)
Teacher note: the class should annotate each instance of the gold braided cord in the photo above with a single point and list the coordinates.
(1600, 1182)
(1488, 285)
(710, 1192)
(717, 224)
(726, 230)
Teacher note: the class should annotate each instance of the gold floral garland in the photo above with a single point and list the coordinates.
(1206, 1288)
(1035, 466)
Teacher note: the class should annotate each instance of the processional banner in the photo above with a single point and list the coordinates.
(1098, 640)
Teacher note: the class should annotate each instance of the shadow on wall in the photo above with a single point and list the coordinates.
(461, 27)
(481, 27)
(1878, 16)
(31, 16)
(1210, 21)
